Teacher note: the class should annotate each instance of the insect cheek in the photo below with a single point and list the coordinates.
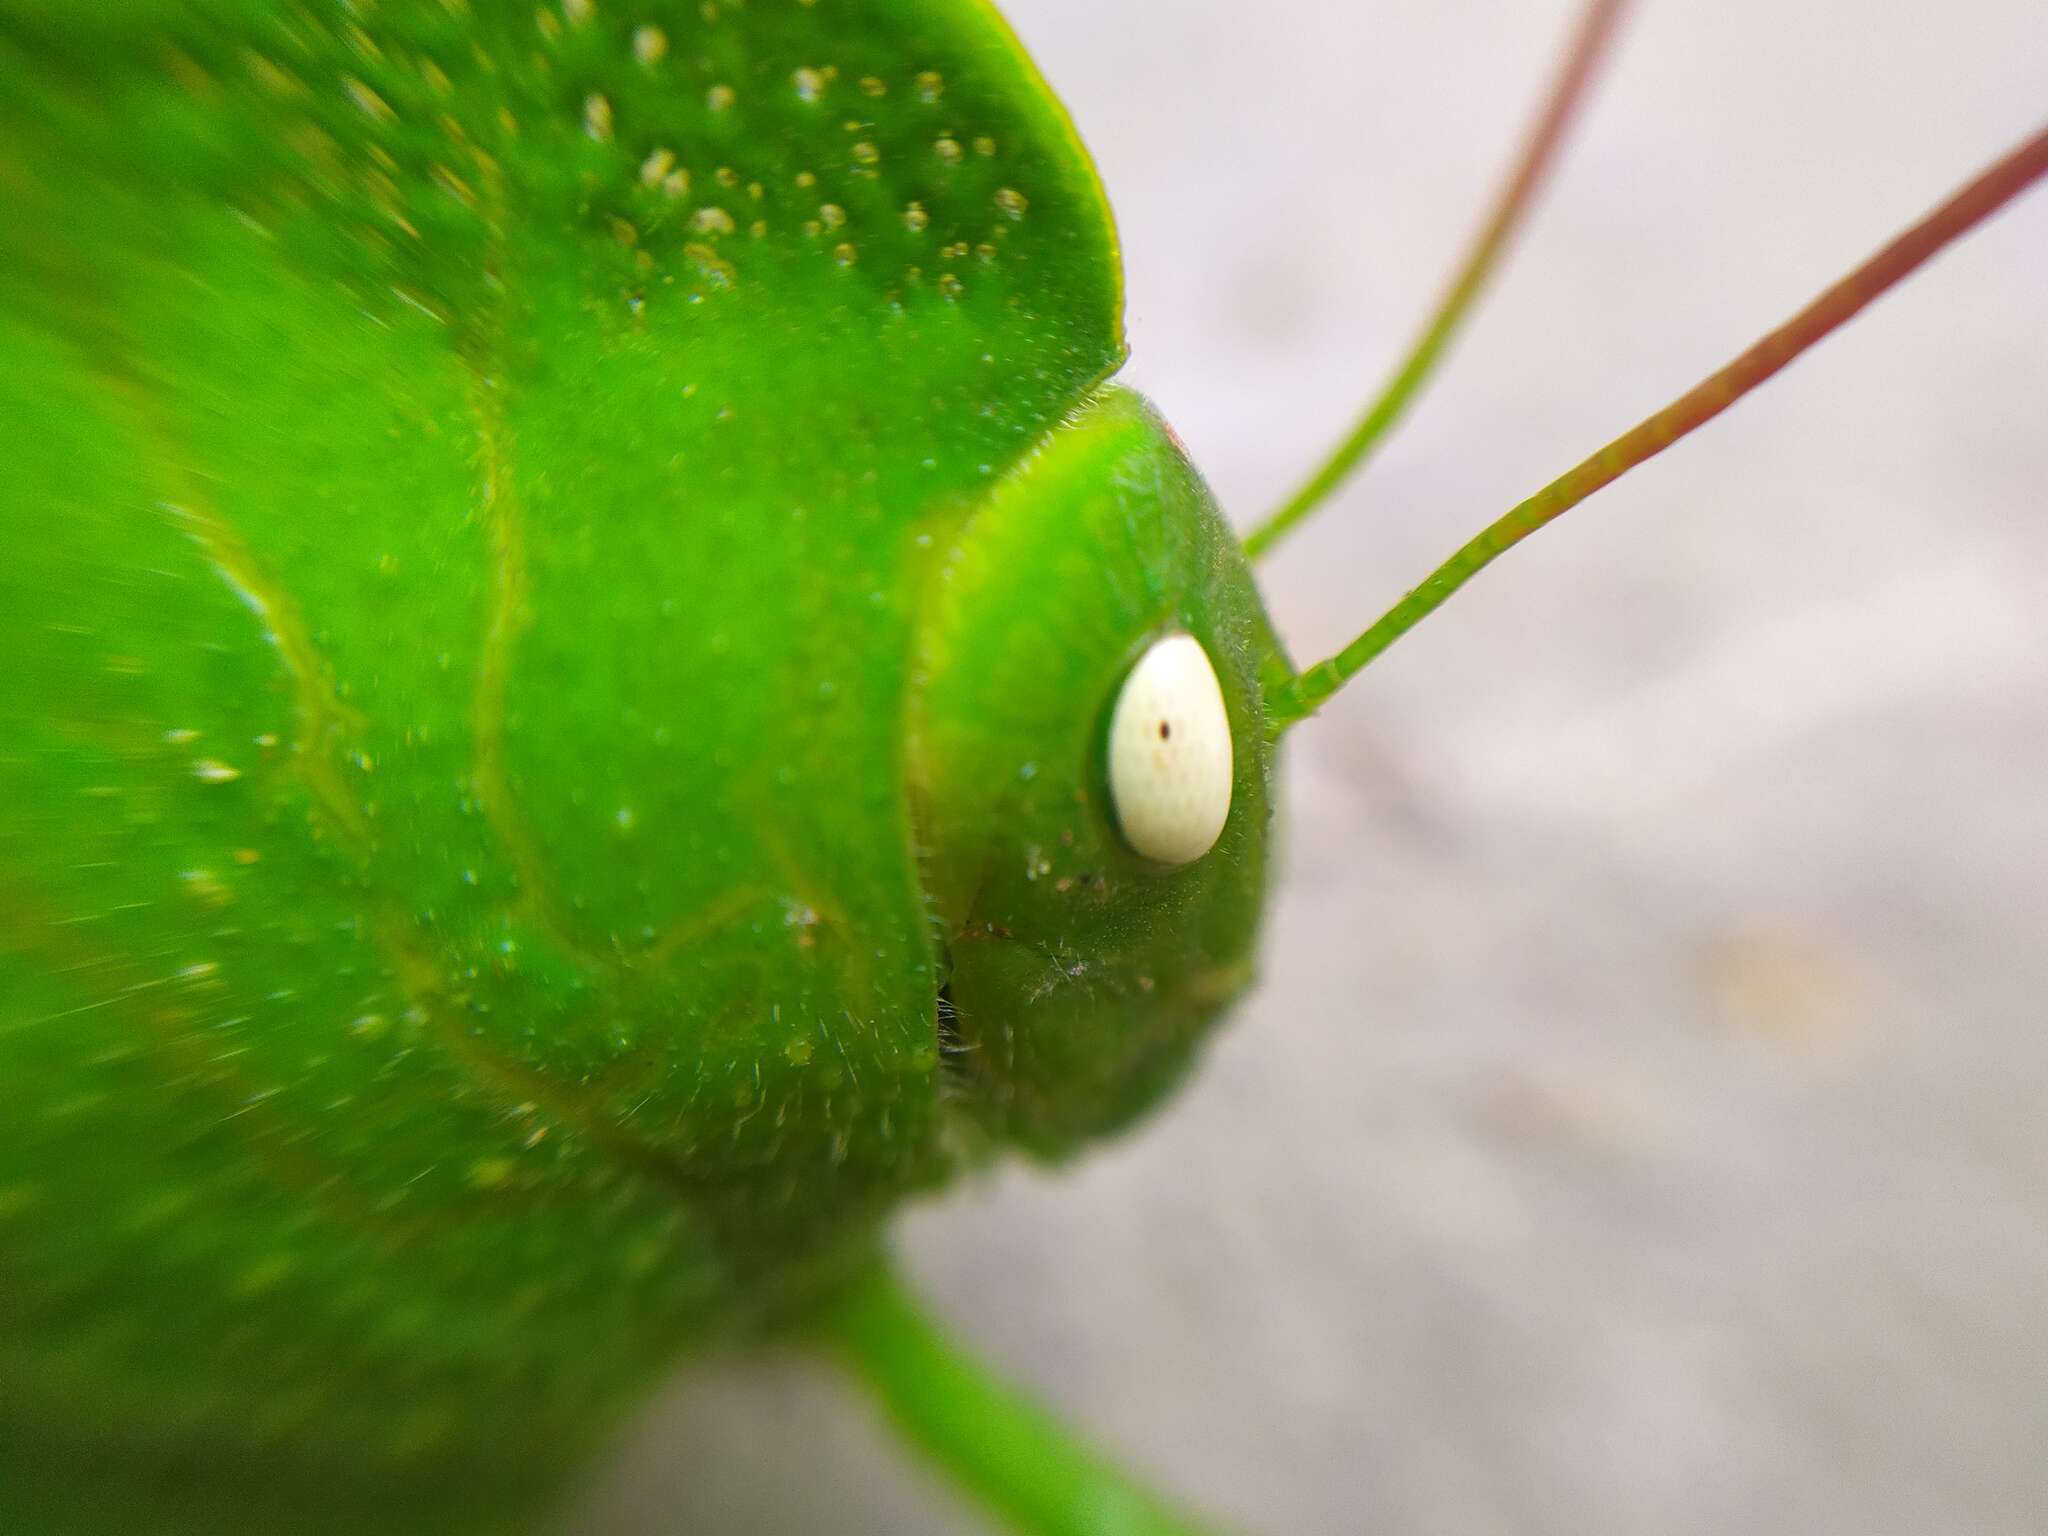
(1169, 753)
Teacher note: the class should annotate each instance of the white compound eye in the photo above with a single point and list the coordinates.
(1169, 753)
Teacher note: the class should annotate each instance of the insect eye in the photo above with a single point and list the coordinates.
(1169, 753)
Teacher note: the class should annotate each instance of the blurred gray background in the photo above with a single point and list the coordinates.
(1643, 1122)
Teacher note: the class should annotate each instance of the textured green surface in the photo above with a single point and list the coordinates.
(1084, 975)
(472, 476)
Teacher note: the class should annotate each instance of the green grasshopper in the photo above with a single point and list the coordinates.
(600, 691)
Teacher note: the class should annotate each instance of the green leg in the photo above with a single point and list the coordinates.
(1032, 1474)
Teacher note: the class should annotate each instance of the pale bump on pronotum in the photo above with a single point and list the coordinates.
(582, 559)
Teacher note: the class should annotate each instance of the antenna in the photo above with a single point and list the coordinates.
(1964, 209)
(1589, 45)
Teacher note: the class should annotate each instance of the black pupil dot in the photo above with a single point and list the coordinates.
(1165, 731)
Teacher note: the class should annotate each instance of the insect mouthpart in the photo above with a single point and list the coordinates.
(946, 1023)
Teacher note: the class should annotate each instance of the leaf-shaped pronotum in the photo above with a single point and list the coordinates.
(571, 563)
